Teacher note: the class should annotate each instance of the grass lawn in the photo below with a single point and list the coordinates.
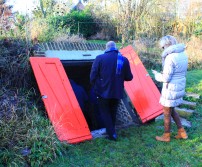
(136, 146)
(103, 42)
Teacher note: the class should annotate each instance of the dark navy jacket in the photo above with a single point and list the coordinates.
(104, 79)
(80, 94)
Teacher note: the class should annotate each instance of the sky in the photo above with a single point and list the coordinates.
(25, 6)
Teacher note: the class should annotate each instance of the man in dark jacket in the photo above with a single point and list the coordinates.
(108, 73)
(82, 99)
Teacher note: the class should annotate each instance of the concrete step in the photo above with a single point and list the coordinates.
(194, 95)
(184, 112)
(193, 104)
(183, 120)
(99, 133)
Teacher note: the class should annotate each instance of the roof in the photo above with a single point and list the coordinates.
(69, 51)
(73, 54)
(79, 6)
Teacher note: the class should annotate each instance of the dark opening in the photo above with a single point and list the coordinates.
(79, 72)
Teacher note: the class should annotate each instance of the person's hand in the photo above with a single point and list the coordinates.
(154, 72)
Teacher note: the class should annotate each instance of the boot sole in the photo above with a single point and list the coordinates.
(162, 140)
(182, 138)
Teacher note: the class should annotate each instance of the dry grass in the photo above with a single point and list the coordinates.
(27, 137)
(37, 27)
(194, 52)
(69, 38)
(149, 51)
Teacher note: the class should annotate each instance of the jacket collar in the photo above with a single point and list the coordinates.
(178, 48)
(173, 49)
(111, 49)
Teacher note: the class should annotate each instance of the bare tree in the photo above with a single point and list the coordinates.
(131, 13)
(45, 8)
(6, 20)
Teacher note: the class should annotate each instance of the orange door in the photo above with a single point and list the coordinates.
(142, 91)
(60, 101)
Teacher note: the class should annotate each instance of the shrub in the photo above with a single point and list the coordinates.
(76, 22)
(41, 30)
(27, 137)
(149, 52)
(15, 65)
(194, 53)
(83, 24)
(198, 30)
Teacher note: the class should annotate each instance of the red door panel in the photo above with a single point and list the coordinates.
(60, 101)
(142, 91)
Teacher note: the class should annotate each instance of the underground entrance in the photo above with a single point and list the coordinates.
(53, 73)
(79, 73)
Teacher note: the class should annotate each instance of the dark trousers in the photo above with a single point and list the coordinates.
(108, 110)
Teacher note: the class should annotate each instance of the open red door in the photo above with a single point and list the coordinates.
(60, 101)
(142, 91)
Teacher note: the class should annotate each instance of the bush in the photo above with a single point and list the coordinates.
(76, 22)
(198, 30)
(149, 52)
(27, 137)
(194, 53)
(14, 64)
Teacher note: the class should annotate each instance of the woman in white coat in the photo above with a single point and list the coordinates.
(173, 76)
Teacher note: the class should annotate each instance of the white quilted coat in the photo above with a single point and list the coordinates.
(175, 63)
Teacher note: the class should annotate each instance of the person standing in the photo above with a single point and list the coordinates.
(107, 76)
(173, 76)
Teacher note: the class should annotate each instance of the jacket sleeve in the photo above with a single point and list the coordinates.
(128, 76)
(167, 73)
(94, 71)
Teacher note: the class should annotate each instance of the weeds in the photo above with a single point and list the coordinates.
(151, 55)
(28, 138)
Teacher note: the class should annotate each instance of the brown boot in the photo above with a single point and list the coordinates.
(167, 119)
(181, 134)
(165, 137)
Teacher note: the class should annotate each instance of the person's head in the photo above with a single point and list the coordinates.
(110, 44)
(167, 41)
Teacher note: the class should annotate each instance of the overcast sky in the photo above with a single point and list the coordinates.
(25, 6)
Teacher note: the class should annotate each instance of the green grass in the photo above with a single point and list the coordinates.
(136, 146)
(27, 129)
(103, 42)
(194, 81)
(97, 41)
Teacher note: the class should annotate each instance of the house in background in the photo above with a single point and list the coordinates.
(79, 6)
